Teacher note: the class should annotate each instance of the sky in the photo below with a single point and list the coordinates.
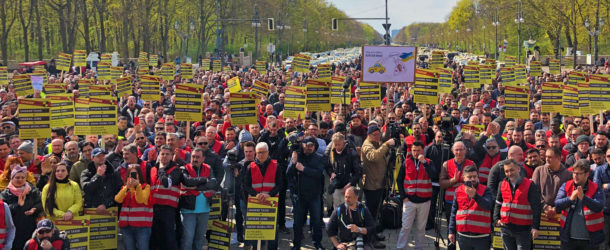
(400, 12)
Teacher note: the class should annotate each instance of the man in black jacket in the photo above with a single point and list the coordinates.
(438, 152)
(343, 167)
(308, 171)
(100, 182)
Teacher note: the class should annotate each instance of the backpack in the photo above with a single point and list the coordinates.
(391, 213)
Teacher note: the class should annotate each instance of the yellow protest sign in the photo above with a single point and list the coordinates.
(220, 236)
(551, 97)
(491, 62)
(300, 63)
(535, 68)
(23, 85)
(234, 85)
(554, 66)
(324, 72)
(216, 65)
(425, 89)
(476, 130)
(62, 110)
(438, 59)
(261, 218)
(186, 70)
(106, 58)
(205, 64)
(243, 108)
(154, 60)
(34, 118)
(103, 71)
(294, 103)
(3, 75)
(318, 95)
(471, 77)
(445, 80)
(261, 67)
(584, 104)
(143, 60)
(486, 73)
(188, 102)
(517, 102)
(167, 71)
(337, 91)
(599, 92)
(116, 72)
(103, 115)
(569, 101)
(63, 62)
(508, 76)
(226, 69)
(520, 74)
(142, 71)
(150, 87)
(215, 207)
(548, 235)
(370, 95)
(83, 87)
(123, 86)
(81, 116)
(510, 61)
(102, 228)
(80, 58)
(77, 230)
(260, 88)
(51, 89)
(100, 91)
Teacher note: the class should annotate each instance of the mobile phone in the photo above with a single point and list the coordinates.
(468, 183)
(133, 175)
(136, 121)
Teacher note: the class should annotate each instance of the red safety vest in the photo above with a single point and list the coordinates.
(35, 170)
(33, 245)
(140, 152)
(2, 225)
(134, 214)
(470, 218)
(451, 167)
(152, 154)
(205, 172)
(263, 184)
(516, 209)
(142, 169)
(416, 180)
(486, 165)
(593, 220)
(161, 195)
(217, 146)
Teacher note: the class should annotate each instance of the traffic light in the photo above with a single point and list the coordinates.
(335, 24)
(270, 24)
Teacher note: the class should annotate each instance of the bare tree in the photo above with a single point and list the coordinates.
(6, 22)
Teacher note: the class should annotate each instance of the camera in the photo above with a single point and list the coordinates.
(447, 127)
(133, 175)
(294, 142)
(469, 183)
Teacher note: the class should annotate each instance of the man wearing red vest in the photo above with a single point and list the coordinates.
(194, 204)
(471, 213)
(46, 237)
(451, 174)
(415, 189)
(263, 180)
(130, 156)
(581, 202)
(518, 208)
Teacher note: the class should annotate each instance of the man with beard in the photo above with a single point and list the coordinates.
(417, 135)
(357, 129)
(150, 154)
(549, 178)
(438, 152)
(141, 143)
(573, 133)
(582, 145)
(528, 136)
(496, 174)
(517, 139)
(71, 153)
(600, 141)
(532, 161)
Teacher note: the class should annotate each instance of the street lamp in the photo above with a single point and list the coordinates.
(467, 40)
(518, 20)
(484, 40)
(595, 31)
(496, 23)
(256, 23)
(457, 39)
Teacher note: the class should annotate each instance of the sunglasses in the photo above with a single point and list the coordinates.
(159, 128)
(140, 138)
(540, 146)
(492, 147)
(202, 143)
(44, 231)
(6, 127)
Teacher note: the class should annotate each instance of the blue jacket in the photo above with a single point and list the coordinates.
(601, 176)
(596, 204)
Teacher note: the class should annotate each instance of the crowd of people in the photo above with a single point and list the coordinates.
(162, 173)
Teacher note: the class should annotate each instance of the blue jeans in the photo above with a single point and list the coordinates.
(133, 236)
(315, 218)
(194, 226)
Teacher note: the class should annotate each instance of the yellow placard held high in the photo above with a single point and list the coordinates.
(294, 104)
(300, 63)
(551, 97)
(337, 91)
(80, 58)
(150, 87)
(63, 62)
(370, 95)
(570, 101)
(243, 108)
(260, 88)
(62, 110)
(234, 85)
(318, 95)
(188, 102)
(517, 102)
(34, 118)
(324, 72)
(261, 219)
(425, 89)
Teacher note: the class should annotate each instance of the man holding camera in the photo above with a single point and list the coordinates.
(415, 189)
(470, 218)
(306, 167)
(343, 167)
(351, 223)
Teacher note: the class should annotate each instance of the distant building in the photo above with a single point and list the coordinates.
(394, 32)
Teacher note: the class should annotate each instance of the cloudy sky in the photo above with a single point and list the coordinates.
(400, 12)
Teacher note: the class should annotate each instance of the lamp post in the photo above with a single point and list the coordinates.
(184, 35)
(595, 30)
(304, 34)
(518, 20)
(496, 23)
(457, 42)
(484, 40)
(256, 23)
(468, 42)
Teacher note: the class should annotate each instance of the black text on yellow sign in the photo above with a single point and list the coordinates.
(569, 102)
(150, 87)
(205, 64)
(295, 102)
(445, 81)
(34, 118)
(186, 70)
(517, 102)
(300, 63)
(243, 108)
(123, 86)
(260, 88)
(471, 77)
(339, 95)
(102, 228)
(188, 102)
(80, 58)
(261, 219)
(167, 71)
(370, 95)
(324, 73)
(23, 85)
(426, 87)
(63, 62)
(318, 95)
(552, 97)
(62, 110)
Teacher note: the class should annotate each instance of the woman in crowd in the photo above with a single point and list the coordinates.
(46, 168)
(136, 215)
(11, 163)
(24, 201)
(61, 197)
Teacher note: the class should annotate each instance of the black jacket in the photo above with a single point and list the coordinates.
(25, 225)
(310, 182)
(438, 154)
(361, 217)
(100, 190)
(215, 163)
(346, 166)
(278, 147)
(57, 236)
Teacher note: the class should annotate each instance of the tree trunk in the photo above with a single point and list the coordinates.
(86, 25)
(25, 23)
(38, 29)
(6, 25)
